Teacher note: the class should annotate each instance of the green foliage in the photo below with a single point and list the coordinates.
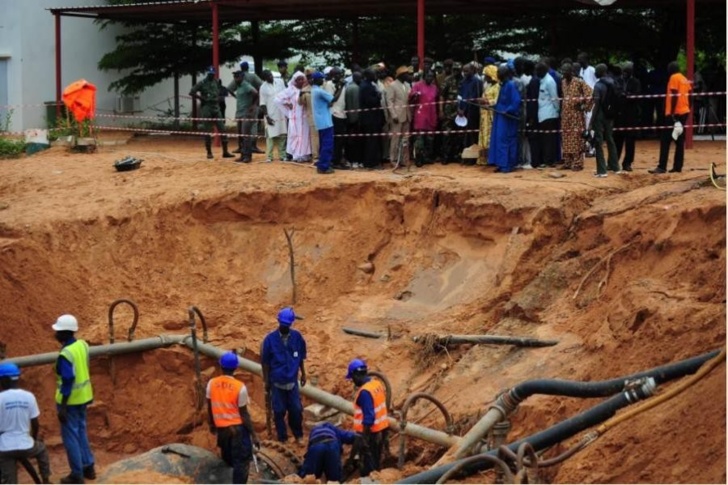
(11, 148)
(151, 53)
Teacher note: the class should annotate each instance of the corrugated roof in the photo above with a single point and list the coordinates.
(200, 11)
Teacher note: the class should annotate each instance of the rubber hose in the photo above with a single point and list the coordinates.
(610, 387)
(671, 392)
(539, 441)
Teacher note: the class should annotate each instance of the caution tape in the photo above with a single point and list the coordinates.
(456, 132)
(364, 110)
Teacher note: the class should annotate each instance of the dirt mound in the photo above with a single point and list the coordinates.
(627, 273)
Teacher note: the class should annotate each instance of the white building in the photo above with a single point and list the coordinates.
(27, 66)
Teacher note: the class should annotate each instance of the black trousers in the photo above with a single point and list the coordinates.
(339, 141)
(371, 456)
(543, 151)
(625, 139)
(666, 140)
(354, 145)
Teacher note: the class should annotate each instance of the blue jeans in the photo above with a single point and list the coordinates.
(326, 148)
(323, 458)
(236, 450)
(287, 402)
(75, 440)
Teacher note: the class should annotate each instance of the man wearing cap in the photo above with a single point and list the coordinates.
(399, 114)
(73, 394)
(228, 417)
(321, 101)
(370, 416)
(246, 112)
(282, 355)
(19, 427)
(207, 92)
(323, 454)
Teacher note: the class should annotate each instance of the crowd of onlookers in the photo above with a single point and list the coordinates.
(511, 114)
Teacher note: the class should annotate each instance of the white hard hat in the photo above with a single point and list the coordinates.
(66, 322)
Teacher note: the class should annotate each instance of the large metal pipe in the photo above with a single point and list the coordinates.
(313, 393)
(103, 350)
(334, 401)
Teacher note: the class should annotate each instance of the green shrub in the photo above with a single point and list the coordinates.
(10, 148)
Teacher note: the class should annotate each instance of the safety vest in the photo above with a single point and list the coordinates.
(224, 393)
(376, 389)
(82, 392)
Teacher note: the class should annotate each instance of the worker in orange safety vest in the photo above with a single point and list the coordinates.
(228, 416)
(370, 416)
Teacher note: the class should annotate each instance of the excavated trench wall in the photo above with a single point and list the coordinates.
(386, 257)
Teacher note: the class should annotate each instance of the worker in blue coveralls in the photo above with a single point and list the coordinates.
(323, 456)
(282, 355)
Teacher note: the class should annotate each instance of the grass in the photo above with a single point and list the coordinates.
(11, 148)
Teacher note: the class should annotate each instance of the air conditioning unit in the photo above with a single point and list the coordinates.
(128, 104)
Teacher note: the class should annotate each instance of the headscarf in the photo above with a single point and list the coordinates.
(491, 71)
(296, 75)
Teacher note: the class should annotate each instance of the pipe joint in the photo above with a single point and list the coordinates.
(639, 389)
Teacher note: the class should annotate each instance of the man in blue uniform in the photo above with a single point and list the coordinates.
(323, 456)
(282, 356)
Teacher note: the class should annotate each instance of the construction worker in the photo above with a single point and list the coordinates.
(73, 394)
(228, 416)
(207, 92)
(370, 416)
(19, 427)
(323, 456)
(282, 355)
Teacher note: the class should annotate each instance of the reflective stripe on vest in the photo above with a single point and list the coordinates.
(82, 391)
(376, 389)
(224, 398)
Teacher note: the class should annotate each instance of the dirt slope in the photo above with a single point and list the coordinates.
(626, 272)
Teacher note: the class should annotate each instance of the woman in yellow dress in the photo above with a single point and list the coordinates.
(490, 97)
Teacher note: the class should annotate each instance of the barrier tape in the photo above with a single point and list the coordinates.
(363, 135)
(364, 110)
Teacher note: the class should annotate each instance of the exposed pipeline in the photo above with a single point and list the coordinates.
(507, 402)
(337, 402)
(314, 393)
(548, 437)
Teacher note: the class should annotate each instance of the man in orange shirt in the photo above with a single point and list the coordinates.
(228, 416)
(370, 416)
(677, 109)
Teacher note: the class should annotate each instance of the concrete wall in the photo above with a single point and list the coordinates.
(27, 44)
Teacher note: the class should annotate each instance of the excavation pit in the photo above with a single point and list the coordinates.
(626, 273)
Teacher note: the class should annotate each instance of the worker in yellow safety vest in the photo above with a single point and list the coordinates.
(370, 416)
(228, 416)
(73, 394)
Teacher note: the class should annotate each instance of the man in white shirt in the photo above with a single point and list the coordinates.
(338, 115)
(276, 125)
(588, 74)
(19, 427)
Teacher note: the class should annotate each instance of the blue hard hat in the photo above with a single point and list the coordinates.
(287, 316)
(489, 60)
(355, 365)
(9, 369)
(229, 361)
(317, 75)
(210, 70)
(244, 65)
